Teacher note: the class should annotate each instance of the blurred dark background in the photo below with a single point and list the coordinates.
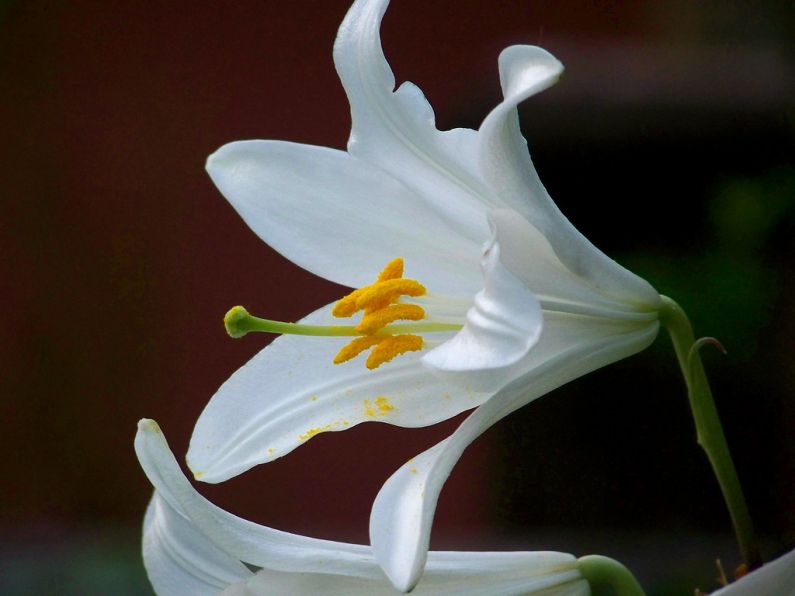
(668, 142)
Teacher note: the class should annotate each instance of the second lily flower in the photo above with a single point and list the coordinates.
(495, 327)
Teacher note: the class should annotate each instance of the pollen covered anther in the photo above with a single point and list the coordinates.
(379, 301)
(391, 346)
(387, 291)
(377, 319)
(355, 347)
(346, 307)
(393, 270)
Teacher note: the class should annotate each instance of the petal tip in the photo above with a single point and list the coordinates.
(149, 426)
(215, 160)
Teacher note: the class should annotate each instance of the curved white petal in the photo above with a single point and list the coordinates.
(396, 131)
(528, 254)
(180, 560)
(242, 539)
(505, 163)
(776, 578)
(339, 217)
(300, 565)
(402, 515)
(291, 391)
(502, 326)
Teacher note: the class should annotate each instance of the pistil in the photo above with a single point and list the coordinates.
(238, 322)
(379, 303)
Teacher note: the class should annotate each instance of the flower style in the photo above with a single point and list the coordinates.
(547, 308)
(192, 548)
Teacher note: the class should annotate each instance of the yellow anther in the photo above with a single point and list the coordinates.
(384, 292)
(355, 347)
(391, 346)
(346, 307)
(375, 320)
(393, 270)
(379, 303)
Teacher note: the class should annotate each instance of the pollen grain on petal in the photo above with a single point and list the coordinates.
(375, 320)
(314, 431)
(355, 347)
(383, 404)
(391, 346)
(380, 406)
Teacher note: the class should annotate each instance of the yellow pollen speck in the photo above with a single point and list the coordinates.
(413, 470)
(384, 404)
(271, 451)
(314, 431)
(313, 398)
(392, 346)
(198, 475)
(381, 406)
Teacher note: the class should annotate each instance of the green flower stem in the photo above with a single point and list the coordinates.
(708, 428)
(238, 322)
(604, 572)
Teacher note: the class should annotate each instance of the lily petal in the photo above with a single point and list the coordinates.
(505, 163)
(242, 539)
(294, 564)
(180, 560)
(483, 580)
(772, 579)
(402, 515)
(396, 131)
(527, 254)
(501, 328)
(291, 391)
(339, 217)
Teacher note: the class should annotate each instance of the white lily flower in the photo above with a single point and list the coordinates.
(547, 308)
(192, 548)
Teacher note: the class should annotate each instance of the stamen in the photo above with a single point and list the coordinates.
(392, 346)
(384, 292)
(356, 347)
(393, 270)
(346, 307)
(379, 301)
(375, 320)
